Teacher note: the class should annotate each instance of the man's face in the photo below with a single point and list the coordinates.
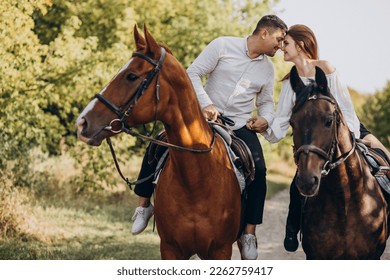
(273, 41)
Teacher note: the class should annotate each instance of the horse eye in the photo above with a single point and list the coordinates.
(131, 77)
(328, 122)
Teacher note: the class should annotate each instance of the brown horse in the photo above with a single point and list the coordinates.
(197, 205)
(345, 215)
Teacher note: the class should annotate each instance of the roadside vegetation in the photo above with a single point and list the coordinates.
(59, 198)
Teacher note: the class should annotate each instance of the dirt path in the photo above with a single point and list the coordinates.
(270, 234)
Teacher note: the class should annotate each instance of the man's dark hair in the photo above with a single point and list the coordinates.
(271, 23)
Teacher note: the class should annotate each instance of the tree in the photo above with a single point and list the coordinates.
(22, 121)
(377, 115)
(55, 55)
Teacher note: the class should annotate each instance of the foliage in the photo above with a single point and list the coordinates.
(57, 54)
(187, 26)
(376, 115)
(22, 122)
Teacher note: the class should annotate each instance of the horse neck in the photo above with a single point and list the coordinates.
(184, 122)
(350, 171)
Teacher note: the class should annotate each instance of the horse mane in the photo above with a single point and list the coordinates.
(165, 47)
(303, 95)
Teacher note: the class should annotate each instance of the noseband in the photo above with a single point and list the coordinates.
(328, 156)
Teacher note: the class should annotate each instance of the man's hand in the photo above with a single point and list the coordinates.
(210, 112)
(257, 124)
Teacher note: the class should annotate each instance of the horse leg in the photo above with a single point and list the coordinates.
(239, 244)
(171, 252)
(222, 253)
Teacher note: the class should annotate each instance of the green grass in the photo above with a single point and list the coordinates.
(87, 227)
(82, 233)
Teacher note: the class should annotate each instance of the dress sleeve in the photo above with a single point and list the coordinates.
(203, 65)
(278, 128)
(343, 98)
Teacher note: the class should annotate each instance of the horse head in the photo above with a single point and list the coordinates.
(132, 96)
(315, 121)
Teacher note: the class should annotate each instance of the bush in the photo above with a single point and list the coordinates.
(13, 213)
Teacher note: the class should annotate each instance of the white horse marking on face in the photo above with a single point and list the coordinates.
(91, 104)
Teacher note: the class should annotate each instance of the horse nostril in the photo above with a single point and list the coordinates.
(81, 124)
(315, 180)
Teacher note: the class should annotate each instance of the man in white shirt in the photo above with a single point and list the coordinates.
(241, 77)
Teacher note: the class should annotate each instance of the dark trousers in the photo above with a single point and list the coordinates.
(293, 223)
(146, 188)
(255, 191)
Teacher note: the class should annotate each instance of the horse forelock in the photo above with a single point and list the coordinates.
(147, 51)
(308, 91)
(303, 95)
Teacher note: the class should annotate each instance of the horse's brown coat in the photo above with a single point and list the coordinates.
(345, 216)
(197, 205)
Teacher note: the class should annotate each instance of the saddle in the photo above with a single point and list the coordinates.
(379, 164)
(242, 159)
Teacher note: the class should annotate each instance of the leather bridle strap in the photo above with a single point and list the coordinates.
(120, 112)
(109, 105)
(332, 165)
(311, 148)
(329, 165)
(128, 182)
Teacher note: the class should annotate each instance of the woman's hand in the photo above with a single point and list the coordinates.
(257, 124)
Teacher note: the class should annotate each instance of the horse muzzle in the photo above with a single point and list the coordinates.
(308, 184)
(91, 138)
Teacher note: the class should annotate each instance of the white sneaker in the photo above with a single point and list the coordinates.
(249, 247)
(141, 218)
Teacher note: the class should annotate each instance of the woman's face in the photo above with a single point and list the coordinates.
(289, 48)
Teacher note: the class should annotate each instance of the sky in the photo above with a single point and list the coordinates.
(353, 35)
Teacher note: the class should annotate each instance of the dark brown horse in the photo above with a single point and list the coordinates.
(197, 205)
(345, 215)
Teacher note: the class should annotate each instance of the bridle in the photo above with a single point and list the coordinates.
(123, 113)
(330, 163)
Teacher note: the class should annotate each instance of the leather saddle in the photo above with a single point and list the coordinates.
(379, 164)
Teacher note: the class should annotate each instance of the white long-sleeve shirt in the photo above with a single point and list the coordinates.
(234, 80)
(278, 129)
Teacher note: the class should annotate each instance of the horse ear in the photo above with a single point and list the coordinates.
(321, 80)
(295, 81)
(152, 45)
(138, 39)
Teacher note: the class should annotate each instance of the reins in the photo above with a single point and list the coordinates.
(161, 143)
(158, 142)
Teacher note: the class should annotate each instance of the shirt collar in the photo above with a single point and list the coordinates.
(260, 57)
